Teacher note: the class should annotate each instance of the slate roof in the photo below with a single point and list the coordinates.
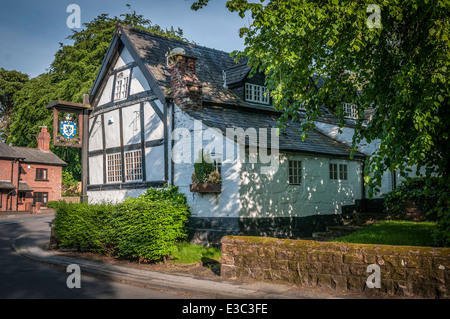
(34, 155)
(7, 152)
(24, 187)
(7, 185)
(289, 140)
(236, 73)
(222, 108)
(154, 51)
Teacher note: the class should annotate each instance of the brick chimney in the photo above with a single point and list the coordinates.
(186, 87)
(44, 140)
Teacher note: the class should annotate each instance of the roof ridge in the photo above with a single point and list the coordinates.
(131, 28)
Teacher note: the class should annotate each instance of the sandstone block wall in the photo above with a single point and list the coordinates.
(404, 270)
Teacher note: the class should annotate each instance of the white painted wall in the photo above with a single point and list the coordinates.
(138, 82)
(95, 139)
(154, 163)
(131, 117)
(112, 129)
(366, 148)
(131, 122)
(346, 137)
(96, 170)
(105, 96)
(113, 196)
(124, 59)
(225, 204)
(272, 196)
(154, 127)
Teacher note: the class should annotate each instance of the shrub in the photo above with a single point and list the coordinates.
(144, 228)
(69, 184)
(413, 189)
(54, 204)
(441, 233)
(148, 230)
(435, 203)
(83, 226)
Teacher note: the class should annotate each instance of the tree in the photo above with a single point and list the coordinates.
(10, 83)
(392, 57)
(71, 75)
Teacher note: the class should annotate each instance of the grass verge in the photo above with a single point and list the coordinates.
(187, 253)
(393, 232)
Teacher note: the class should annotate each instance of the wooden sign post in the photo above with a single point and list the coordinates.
(70, 128)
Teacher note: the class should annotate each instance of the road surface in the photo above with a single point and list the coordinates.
(22, 278)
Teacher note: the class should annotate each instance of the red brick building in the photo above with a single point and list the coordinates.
(29, 177)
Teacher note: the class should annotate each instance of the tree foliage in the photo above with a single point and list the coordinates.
(399, 68)
(10, 83)
(71, 75)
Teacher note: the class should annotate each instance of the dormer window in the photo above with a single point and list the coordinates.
(121, 87)
(350, 111)
(256, 93)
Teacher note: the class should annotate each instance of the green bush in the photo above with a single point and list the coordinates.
(144, 228)
(147, 230)
(414, 189)
(54, 204)
(83, 226)
(434, 203)
(441, 233)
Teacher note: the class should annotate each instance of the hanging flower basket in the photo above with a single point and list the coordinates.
(206, 188)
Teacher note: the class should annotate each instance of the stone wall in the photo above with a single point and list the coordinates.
(404, 270)
(71, 199)
(210, 230)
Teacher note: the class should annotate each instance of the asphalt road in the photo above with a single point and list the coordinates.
(22, 278)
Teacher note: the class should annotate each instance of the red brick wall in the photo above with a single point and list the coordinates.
(404, 270)
(5, 175)
(28, 175)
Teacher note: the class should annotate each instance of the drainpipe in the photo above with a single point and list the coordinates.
(172, 120)
(18, 181)
(363, 188)
(12, 182)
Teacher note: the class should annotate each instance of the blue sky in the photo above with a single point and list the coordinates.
(30, 30)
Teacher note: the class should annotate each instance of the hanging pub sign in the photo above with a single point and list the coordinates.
(68, 122)
(68, 128)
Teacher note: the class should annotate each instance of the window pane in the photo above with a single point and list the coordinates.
(114, 168)
(343, 171)
(295, 170)
(133, 165)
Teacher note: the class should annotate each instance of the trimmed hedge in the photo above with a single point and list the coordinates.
(145, 228)
(82, 226)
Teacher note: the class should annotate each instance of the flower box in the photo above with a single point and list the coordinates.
(206, 188)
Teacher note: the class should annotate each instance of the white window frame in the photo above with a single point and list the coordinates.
(133, 166)
(256, 93)
(113, 168)
(121, 89)
(295, 172)
(350, 111)
(338, 172)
